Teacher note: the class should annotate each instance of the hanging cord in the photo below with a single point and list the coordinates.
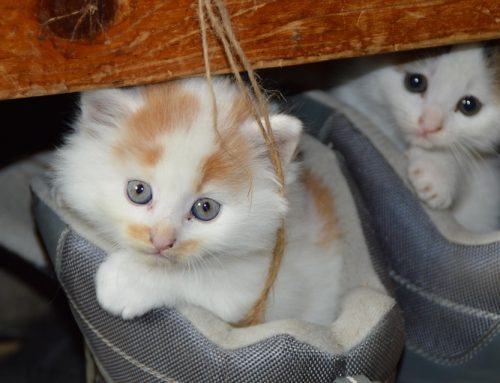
(220, 23)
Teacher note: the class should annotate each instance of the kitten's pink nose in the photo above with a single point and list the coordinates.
(431, 120)
(162, 236)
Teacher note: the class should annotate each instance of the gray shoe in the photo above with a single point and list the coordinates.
(192, 345)
(447, 279)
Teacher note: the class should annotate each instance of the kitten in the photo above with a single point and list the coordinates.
(193, 214)
(444, 110)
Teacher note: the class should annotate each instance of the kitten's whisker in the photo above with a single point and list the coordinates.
(459, 156)
(216, 259)
(188, 268)
(472, 146)
(204, 264)
(476, 142)
(473, 157)
(464, 157)
(455, 152)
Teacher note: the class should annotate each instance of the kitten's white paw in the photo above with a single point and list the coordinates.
(119, 291)
(429, 180)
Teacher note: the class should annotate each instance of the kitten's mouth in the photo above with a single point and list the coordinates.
(167, 256)
(424, 141)
(160, 254)
(179, 254)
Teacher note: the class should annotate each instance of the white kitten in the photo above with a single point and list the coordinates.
(194, 214)
(444, 109)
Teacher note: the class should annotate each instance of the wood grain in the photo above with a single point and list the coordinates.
(54, 46)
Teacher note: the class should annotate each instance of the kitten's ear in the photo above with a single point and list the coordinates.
(107, 107)
(287, 132)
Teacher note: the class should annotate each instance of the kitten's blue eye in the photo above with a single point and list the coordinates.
(139, 192)
(415, 82)
(205, 209)
(469, 105)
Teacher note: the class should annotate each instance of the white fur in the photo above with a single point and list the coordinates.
(455, 167)
(227, 273)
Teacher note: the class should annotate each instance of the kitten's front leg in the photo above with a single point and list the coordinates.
(126, 287)
(433, 176)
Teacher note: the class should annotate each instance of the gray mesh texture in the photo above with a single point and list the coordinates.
(163, 346)
(448, 292)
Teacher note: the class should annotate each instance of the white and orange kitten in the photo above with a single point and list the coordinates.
(193, 214)
(444, 110)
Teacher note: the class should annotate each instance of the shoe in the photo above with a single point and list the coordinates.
(447, 279)
(192, 345)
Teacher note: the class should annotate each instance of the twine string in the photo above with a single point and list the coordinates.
(260, 106)
(206, 60)
(221, 26)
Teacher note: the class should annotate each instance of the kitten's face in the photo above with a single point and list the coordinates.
(449, 100)
(163, 185)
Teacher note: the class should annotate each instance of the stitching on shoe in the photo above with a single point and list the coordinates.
(442, 301)
(466, 356)
(59, 248)
(119, 351)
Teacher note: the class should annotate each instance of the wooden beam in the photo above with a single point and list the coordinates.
(54, 46)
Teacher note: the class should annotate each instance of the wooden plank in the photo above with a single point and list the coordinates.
(53, 46)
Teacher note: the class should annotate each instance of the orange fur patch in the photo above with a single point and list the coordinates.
(182, 249)
(230, 163)
(239, 112)
(168, 106)
(324, 204)
(139, 232)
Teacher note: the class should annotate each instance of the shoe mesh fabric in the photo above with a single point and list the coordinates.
(448, 292)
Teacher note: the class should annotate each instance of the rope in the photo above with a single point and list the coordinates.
(220, 23)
